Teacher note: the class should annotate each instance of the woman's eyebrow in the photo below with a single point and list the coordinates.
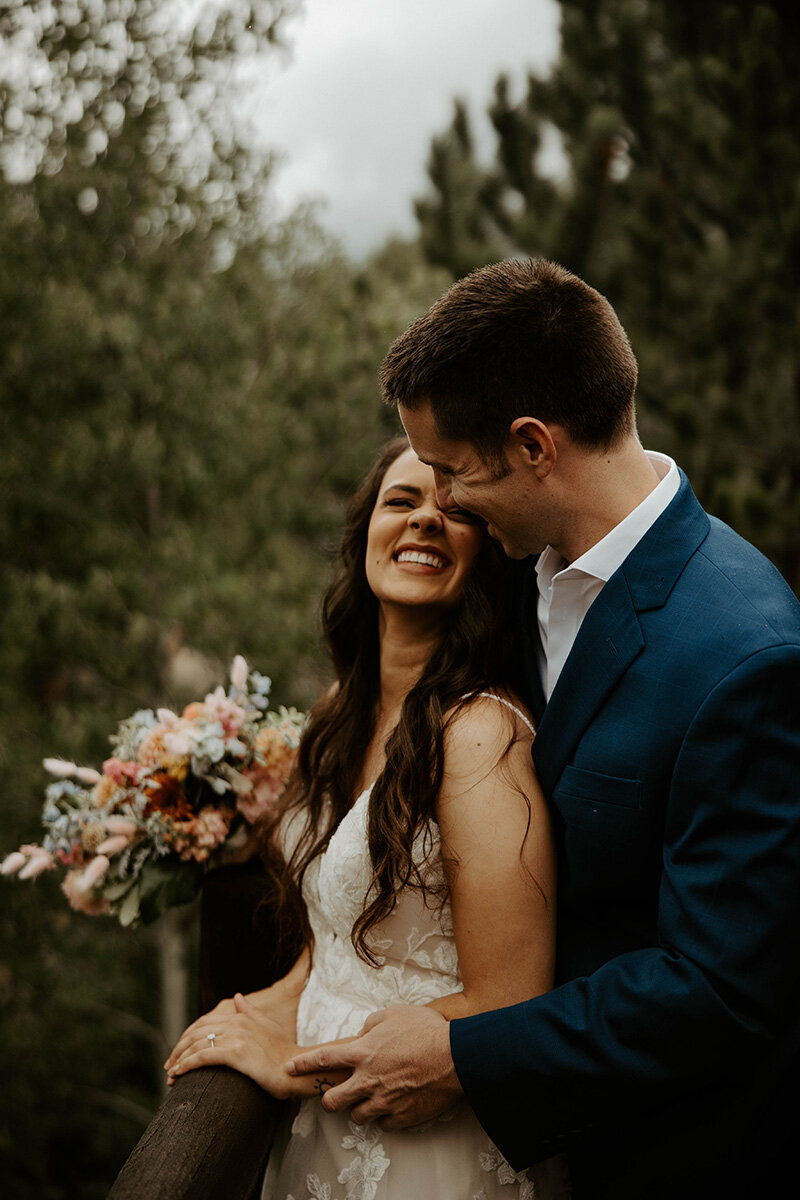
(405, 487)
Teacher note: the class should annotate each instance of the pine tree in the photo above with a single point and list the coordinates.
(188, 394)
(679, 202)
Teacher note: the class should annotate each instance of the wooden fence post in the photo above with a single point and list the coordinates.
(211, 1137)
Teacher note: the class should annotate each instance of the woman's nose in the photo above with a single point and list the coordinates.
(429, 519)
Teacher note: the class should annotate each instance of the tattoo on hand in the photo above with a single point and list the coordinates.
(322, 1085)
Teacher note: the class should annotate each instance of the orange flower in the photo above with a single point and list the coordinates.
(278, 757)
(195, 709)
(176, 766)
(153, 753)
(103, 791)
(169, 798)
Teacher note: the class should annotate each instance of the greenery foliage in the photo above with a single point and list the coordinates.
(678, 199)
(188, 392)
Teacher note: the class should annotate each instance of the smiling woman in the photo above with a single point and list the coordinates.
(417, 553)
(412, 849)
(412, 644)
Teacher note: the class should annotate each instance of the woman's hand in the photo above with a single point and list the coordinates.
(278, 1002)
(245, 1038)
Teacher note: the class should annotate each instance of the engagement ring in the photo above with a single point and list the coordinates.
(211, 1037)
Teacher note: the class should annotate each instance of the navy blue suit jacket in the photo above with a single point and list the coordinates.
(670, 753)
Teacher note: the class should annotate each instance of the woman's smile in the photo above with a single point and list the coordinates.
(426, 558)
(418, 553)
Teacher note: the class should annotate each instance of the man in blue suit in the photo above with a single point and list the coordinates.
(662, 661)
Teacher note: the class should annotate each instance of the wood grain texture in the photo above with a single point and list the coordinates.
(210, 1138)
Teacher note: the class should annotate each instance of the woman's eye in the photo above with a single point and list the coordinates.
(461, 514)
(401, 501)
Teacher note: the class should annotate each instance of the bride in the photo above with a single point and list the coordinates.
(412, 845)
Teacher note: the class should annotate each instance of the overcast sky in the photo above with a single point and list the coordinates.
(366, 85)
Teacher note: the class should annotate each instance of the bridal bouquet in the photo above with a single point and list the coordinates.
(176, 794)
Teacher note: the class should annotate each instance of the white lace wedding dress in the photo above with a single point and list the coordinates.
(326, 1156)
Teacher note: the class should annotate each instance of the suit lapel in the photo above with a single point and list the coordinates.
(610, 637)
(608, 641)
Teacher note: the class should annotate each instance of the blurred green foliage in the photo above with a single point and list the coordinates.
(188, 394)
(678, 199)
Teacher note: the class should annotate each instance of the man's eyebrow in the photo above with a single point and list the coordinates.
(442, 468)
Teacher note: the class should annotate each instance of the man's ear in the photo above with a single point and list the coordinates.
(534, 442)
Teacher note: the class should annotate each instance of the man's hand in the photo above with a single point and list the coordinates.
(403, 1071)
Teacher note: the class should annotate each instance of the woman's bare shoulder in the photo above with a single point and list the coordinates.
(492, 713)
(486, 734)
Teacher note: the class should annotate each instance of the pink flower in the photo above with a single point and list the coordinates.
(124, 774)
(266, 790)
(239, 673)
(211, 828)
(198, 837)
(12, 863)
(94, 873)
(71, 857)
(113, 845)
(82, 901)
(229, 714)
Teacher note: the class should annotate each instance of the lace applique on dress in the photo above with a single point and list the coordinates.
(367, 1169)
(326, 1156)
(493, 1161)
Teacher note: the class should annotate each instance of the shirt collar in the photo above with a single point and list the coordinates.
(548, 565)
(606, 556)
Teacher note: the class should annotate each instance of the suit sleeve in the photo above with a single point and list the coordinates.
(722, 981)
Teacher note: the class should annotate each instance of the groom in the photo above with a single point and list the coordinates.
(662, 656)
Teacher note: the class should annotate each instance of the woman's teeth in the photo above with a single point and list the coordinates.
(416, 556)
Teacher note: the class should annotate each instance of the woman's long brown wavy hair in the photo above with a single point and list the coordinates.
(475, 653)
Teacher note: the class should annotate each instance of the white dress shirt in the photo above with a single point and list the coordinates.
(566, 592)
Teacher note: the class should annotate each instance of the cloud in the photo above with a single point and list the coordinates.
(368, 84)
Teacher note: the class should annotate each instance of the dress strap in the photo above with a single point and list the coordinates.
(513, 707)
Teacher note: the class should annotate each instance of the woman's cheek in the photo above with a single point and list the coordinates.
(471, 541)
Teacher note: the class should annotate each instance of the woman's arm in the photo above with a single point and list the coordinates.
(254, 1034)
(281, 999)
(500, 861)
(278, 1002)
(502, 875)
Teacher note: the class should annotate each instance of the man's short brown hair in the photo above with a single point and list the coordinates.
(517, 338)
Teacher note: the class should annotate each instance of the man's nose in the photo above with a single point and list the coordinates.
(443, 488)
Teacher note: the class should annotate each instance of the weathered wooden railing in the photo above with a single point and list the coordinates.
(212, 1135)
